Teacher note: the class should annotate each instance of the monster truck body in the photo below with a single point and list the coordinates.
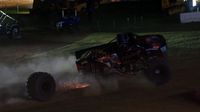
(127, 54)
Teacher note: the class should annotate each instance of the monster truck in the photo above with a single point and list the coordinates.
(125, 55)
(68, 20)
(8, 26)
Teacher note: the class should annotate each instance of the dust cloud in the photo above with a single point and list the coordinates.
(13, 77)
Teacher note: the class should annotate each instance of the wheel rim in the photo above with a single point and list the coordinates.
(15, 32)
(157, 71)
(47, 87)
(160, 74)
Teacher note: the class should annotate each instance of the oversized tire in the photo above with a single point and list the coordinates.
(158, 71)
(41, 86)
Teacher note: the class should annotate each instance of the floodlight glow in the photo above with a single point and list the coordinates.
(14, 3)
(194, 3)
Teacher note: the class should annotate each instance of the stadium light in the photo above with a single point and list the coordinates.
(194, 3)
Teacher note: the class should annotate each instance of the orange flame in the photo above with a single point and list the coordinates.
(73, 86)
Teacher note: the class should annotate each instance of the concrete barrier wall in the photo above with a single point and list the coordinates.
(190, 17)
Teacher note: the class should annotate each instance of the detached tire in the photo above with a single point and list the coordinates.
(41, 86)
(158, 72)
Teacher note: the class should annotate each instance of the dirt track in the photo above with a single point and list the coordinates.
(130, 97)
(34, 42)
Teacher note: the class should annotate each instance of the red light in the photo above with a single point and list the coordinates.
(156, 45)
